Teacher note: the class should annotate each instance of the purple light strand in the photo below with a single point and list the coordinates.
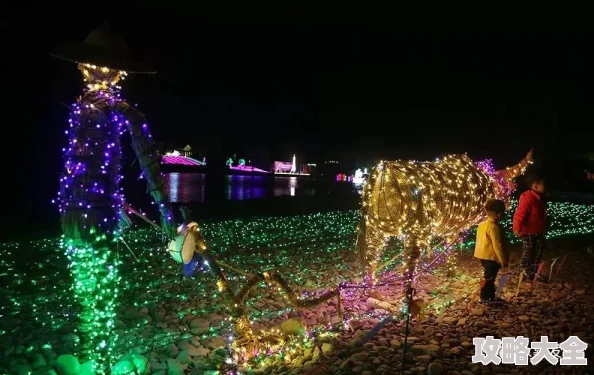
(86, 141)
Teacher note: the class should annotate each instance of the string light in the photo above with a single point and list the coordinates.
(424, 201)
(90, 202)
(317, 247)
(451, 266)
(250, 343)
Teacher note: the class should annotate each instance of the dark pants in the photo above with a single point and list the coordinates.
(491, 268)
(533, 247)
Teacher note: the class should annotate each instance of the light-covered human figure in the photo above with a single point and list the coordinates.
(90, 200)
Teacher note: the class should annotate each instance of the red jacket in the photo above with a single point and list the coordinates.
(531, 214)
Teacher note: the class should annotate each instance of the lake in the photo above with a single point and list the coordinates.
(211, 197)
(198, 187)
(235, 196)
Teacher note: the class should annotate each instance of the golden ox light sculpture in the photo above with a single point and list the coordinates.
(422, 202)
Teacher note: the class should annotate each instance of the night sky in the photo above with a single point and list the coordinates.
(354, 91)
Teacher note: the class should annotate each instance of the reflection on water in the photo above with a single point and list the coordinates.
(292, 185)
(196, 187)
(285, 185)
(186, 187)
(245, 187)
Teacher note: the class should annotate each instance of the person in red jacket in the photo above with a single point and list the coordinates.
(530, 224)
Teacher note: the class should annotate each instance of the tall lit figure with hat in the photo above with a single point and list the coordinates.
(90, 198)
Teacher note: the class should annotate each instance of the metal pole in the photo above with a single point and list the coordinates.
(409, 296)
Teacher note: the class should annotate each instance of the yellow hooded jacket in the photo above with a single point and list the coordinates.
(490, 242)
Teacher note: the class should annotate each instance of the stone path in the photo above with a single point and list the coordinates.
(558, 309)
(171, 326)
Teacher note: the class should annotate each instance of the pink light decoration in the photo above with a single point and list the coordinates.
(247, 168)
(181, 160)
(487, 166)
(282, 166)
(502, 188)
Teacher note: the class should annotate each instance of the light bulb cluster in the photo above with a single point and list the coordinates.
(100, 78)
(311, 252)
(425, 201)
(451, 266)
(90, 202)
(503, 181)
(95, 286)
(90, 197)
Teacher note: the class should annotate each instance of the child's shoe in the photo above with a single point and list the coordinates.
(496, 301)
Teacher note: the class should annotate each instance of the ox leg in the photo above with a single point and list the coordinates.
(451, 265)
(451, 260)
(370, 246)
(412, 252)
(361, 244)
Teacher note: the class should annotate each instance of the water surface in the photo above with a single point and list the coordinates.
(198, 187)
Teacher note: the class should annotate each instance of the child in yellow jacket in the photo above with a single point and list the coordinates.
(490, 248)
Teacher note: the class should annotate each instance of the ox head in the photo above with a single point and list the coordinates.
(504, 180)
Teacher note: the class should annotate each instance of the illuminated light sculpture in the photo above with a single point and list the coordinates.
(426, 201)
(294, 165)
(183, 247)
(282, 167)
(246, 168)
(181, 160)
(248, 343)
(290, 168)
(243, 167)
(359, 177)
(90, 199)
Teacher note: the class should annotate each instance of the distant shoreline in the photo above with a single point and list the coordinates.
(168, 168)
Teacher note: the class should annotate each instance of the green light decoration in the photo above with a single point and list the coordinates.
(249, 343)
(95, 285)
(90, 200)
(316, 251)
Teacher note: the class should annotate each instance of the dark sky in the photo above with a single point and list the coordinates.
(359, 90)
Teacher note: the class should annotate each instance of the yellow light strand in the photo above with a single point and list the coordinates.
(423, 201)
